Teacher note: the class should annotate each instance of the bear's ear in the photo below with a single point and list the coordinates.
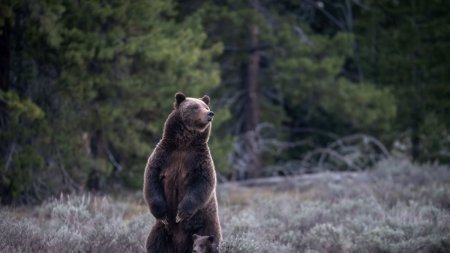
(195, 237)
(205, 99)
(179, 97)
(211, 238)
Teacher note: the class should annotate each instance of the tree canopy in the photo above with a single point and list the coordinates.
(85, 86)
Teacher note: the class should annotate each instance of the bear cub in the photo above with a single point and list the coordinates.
(204, 244)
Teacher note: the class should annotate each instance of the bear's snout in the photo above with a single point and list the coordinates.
(210, 115)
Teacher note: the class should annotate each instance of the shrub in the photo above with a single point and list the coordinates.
(76, 224)
(397, 207)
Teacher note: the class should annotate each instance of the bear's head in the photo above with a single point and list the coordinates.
(204, 244)
(194, 112)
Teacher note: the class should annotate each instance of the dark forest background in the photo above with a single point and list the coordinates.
(85, 86)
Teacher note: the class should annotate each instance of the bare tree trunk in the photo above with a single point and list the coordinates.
(96, 150)
(253, 109)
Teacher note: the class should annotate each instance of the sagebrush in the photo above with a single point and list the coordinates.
(397, 207)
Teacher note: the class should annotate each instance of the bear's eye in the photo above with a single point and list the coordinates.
(195, 107)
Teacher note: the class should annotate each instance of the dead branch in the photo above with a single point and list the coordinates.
(67, 179)
(325, 153)
(303, 37)
(113, 160)
(250, 145)
(355, 152)
(10, 155)
(299, 180)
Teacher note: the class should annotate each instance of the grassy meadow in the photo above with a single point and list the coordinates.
(395, 207)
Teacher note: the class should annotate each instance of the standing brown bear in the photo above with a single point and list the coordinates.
(180, 179)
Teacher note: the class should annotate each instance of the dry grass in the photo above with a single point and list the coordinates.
(397, 207)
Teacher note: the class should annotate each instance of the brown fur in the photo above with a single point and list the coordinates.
(180, 179)
(204, 244)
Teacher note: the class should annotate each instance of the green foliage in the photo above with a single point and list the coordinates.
(221, 145)
(19, 162)
(86, 85)
(20, 109)
(301, 84)
(376, 106)
(95, 81)
(434, 139)
(309, 76)
(402, 46)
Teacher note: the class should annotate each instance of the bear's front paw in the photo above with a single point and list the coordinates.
(178, 219)
(181, 216)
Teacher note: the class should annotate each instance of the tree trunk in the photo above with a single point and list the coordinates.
(253, 109)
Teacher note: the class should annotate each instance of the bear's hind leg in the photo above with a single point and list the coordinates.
(159, 241)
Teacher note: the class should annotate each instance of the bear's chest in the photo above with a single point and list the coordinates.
(177, 169)
(174, 177)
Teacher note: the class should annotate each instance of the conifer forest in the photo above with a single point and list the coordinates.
(331, 130)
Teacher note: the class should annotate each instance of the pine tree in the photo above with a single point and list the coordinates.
(404, 47)
(90, 84)
(299, 80)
